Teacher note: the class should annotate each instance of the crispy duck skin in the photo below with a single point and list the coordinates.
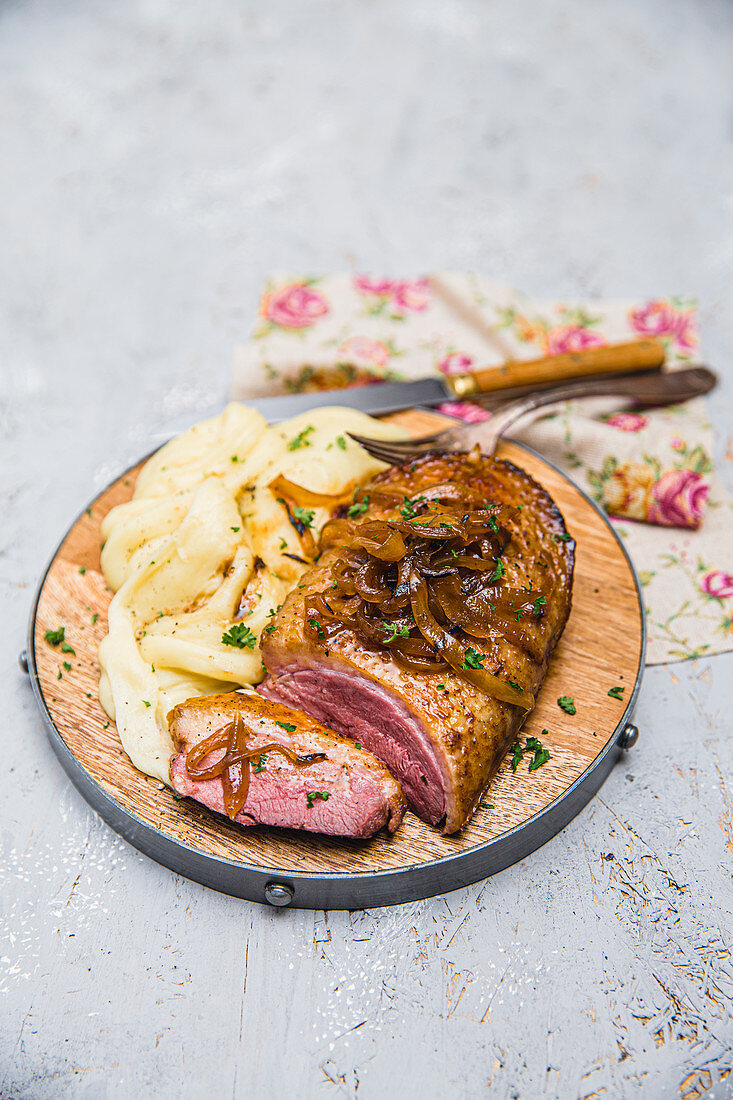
(440, 735)
(362, 795)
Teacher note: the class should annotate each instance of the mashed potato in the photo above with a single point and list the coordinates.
(204, 553)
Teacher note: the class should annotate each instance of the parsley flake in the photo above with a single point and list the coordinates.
(67, 666)
(499, 571)
(563, 538)
(359, 508)
(261, 763)
(301, 439)
(472, 659)
(341, 442)
(304, 515)
(617, 693)
(539, 602)
(317, 627)
(240, 636)
(55, 637)
(311, 796)
(66, 648)
(402, 632)
(147, 704)
(287, 726)
(567, 704)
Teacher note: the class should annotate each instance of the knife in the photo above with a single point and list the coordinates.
(387, 397)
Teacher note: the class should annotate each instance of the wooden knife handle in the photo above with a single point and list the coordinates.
(611, 358)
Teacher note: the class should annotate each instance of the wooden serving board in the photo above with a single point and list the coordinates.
(602, 646)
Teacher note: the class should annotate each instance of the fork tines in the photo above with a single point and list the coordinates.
(394, 451)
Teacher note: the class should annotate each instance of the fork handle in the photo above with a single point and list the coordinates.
(623, 358)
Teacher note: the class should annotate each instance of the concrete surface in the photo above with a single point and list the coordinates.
(156, 160)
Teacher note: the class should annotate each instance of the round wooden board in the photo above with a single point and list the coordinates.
(602, 646)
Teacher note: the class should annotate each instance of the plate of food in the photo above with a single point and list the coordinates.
(297, 675)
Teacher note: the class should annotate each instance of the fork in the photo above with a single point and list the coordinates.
(645, 389)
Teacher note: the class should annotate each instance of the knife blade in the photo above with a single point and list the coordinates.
(378, 397)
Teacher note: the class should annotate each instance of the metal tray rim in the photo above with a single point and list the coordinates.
(348, 891)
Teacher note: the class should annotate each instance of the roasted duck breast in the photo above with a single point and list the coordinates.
(425, 628)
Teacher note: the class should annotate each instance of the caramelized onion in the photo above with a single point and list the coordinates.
(284, 487)
(420, 576)
(455, 655)
(233, 765)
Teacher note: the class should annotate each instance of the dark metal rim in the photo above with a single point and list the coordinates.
(321, 889)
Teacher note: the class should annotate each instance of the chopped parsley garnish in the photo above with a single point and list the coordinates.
(240, 636)
(55, 637)
(304, 515)
(317, 627)
(147, 704)
(301, 439)
(283, 543)
(235, 529)
(311, 796)
(518, 615)
(540, 754)
(539, 602)
(492, 524)
(617, 692)
(440, 687)
(82, 569)
(498, 571)
(60, 675)
(358, 744)
(563, 538)
(261, 762)
(270, 628)
(67, 666)
(95, 617)
(235, 458)
(66, 648)
(517, 755)
(401, 632)
(515, 685)
(341, 442)
(472, 659)
(359, 508)
(567, 704)
(287, 726)
(408, 510)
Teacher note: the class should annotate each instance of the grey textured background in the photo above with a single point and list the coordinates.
(156, 160)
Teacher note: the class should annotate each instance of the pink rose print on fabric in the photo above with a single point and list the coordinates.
(660, 318)
(678, 499)
(676, 443)
(411, 296)
(717, 584)
(380, 287)
(294, 306)
(628, 422)
(366, 350)
(464, 410)
(403, 295)
(572, 338)
(455, 363)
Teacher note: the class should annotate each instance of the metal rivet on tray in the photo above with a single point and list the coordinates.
(277, 893)
(23, 660)
(629, 737)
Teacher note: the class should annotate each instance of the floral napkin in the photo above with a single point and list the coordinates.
(649, 469)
